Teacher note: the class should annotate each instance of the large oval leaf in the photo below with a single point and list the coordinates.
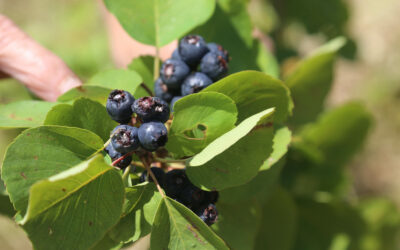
(84, 113)
(176, 227)
(235, 157)
(254, 92)
(24, 114)
(311, 81)
(124, 79)
(158, 22)
(41, 152)
(198, 120)
(75, 208)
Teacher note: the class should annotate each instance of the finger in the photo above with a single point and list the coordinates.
(36, 67)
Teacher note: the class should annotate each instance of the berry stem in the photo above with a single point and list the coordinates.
(121, 158)
(125, 176)
(171, 161)
(152, 176)
(147, 89)
(137, 164)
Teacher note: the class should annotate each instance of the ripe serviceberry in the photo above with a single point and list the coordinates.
(151, 109)
(214, 66)
(194, 83)
(191, 49)
(119, 104)
(163, 92)
(125, 138)
(173, 72)
(152, 135)
(115, 155)
(216, 48)
(208, 214)
(158, 173)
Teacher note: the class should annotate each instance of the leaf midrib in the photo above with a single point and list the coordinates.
(66, 196)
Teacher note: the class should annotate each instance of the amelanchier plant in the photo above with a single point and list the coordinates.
(249, 160)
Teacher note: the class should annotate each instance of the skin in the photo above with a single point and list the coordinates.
(44, 73)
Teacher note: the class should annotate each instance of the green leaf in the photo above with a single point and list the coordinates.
(282, 139)
(278, 226)
(6, 207)
(158, 22)
(96, 93)
(237, 223)
(339, 133)
(24, 114)
(41, 152)
(144, 65)
(322, 149)
(84, 113)
(139, 210)
(332, 220)
(259, 188)
(254, 92)
(267, 62)
(312, 77)
(75, 208)
(112, 79)
(235, 157)
(176, 227)
(198, 120)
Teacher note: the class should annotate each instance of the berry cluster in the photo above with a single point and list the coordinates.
(177, 186)
(149, 136)
(194, 65)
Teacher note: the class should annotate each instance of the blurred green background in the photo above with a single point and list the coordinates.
(74, 30)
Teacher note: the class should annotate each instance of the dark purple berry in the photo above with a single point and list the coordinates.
(208, 214)
(173, 101)
(125, 138)
(194, 83)
(214, 66)
(191, 49)
(119, 104)
(152, 135)
(216, 48)
(175, 55)
(175, 181)
(151, 109)
(173, 72)
(158, 173)
(115, 155)
(163, 92)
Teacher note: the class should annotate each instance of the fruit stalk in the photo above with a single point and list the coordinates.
(152, 176)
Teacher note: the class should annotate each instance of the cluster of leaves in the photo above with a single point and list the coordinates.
(263, 140)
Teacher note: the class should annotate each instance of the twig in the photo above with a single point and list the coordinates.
(125, 176)
(170, 161)
(137, 164)
(121, 158)
(147, 89)
(152, 176)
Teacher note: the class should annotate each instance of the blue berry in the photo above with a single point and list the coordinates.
(173, 101)
(175, 55)
(173, 72)
(191, 49)
(119, 106)
(158, 173)
(151, 109)
(208, 214)
(175, 181)
(216, 48)
(191, 196)
(194, 83)
(163, 92)
(114, 155)
(214, 66)
(153, 135)
(125, 138)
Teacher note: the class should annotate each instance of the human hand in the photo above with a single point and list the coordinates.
(40, 70)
